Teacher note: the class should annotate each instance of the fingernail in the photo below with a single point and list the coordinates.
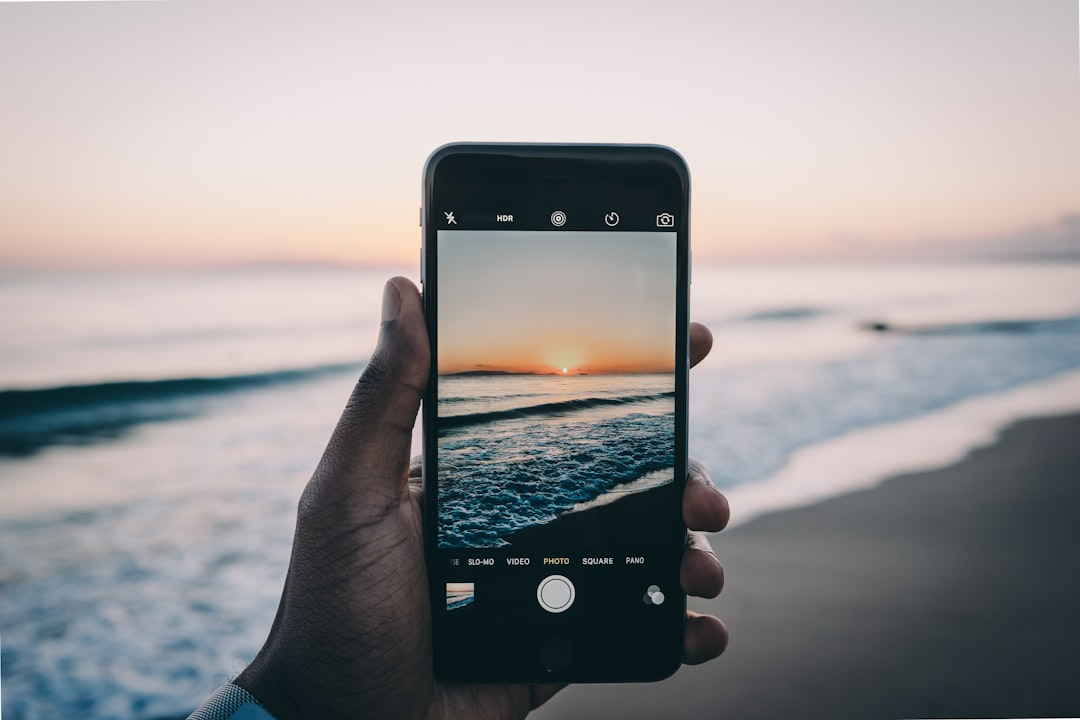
(709, 482)
(391, 302)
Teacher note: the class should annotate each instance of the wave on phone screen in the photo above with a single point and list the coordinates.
(518, 450)
(459, 594)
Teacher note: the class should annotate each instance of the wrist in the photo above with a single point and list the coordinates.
(263, 680)
(231, 702)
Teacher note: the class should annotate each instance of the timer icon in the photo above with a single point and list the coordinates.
(611, 219)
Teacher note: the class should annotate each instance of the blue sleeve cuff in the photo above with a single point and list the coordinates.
(231, 702)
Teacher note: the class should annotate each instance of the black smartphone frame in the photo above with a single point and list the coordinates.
(478, 183)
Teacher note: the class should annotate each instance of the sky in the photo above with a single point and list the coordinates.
(581, 303)
(180, 133)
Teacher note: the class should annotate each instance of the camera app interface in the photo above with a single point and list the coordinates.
(556, 414)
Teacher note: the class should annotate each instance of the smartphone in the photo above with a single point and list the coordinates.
(555, 284)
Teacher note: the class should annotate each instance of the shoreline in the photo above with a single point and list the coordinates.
(861, 459)
(944, 593)
(867, 457)
(592, 525)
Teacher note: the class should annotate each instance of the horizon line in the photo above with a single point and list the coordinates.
(707, 260)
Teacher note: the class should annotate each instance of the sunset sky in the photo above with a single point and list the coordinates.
(195, 133)
(581, 302)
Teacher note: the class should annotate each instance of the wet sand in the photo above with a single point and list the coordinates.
(951, 593)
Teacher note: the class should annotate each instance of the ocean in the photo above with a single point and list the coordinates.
(517, 450)
(157, 428)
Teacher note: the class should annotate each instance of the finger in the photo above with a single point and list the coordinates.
(701, 574)
(700, 343)
(704, 506)
(705, 638)
(373, 437)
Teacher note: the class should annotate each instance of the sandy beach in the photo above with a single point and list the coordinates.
(951, 593)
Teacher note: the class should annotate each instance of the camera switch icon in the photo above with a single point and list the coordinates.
(653, 596)
(665, 220)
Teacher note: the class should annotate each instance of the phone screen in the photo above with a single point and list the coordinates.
(555, 285)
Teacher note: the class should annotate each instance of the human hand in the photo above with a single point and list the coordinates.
(352, 636)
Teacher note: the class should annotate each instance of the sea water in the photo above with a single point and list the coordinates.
(517, 450)
(157, 428)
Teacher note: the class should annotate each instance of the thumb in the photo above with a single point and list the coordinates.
(371, 443)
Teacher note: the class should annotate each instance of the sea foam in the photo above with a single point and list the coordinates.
(864, 458)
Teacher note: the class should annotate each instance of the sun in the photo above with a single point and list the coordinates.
(564, 371)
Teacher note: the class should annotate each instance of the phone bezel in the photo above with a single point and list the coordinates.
(559, 160)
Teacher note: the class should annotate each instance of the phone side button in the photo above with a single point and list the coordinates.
(556, 654)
